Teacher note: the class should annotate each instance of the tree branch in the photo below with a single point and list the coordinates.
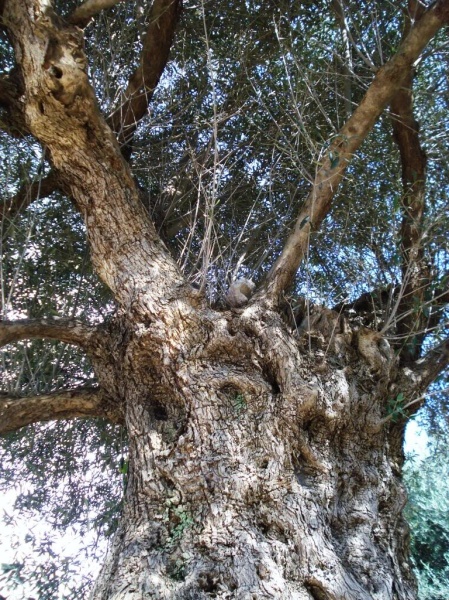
(88, 9)
(12, 119)
(415, 272)
(133, 107)
(64, 404)
(338, 155)
(432, 364)
(126, 250)
(69, 331)
(27, 194)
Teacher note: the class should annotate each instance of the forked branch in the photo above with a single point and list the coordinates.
(338, 155)
(64, 404)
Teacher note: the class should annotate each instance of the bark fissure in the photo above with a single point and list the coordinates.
(228, 464)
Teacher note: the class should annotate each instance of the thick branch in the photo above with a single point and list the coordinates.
(64, 404)
(126, 251)
(331, 170)
(432, 364)
(156, 48)
(88, 9)
(415, 273)
(346, 63)
(64, 330)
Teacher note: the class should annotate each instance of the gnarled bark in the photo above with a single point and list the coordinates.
(257, 469)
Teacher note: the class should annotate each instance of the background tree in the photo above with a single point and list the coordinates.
(427, 515)
(265, 440)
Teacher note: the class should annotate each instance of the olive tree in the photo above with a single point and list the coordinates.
(269, 221)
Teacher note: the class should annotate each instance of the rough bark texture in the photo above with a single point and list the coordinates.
(259, 466)
(68, 404)
(257, 469)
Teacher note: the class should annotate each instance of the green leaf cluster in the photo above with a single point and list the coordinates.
(427, 512)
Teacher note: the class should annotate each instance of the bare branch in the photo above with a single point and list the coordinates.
(156, 48)
(27, 194)
(88, 9)
(69, 331)
(64, 404)
(335, 159)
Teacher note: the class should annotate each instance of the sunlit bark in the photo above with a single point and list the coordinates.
(389, 78)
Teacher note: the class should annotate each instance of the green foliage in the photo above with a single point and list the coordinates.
(395, 408)
(74, 483)
(427, 512)
(240, 404)
(180, 519)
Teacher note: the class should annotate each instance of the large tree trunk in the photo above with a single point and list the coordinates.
(258, 468)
